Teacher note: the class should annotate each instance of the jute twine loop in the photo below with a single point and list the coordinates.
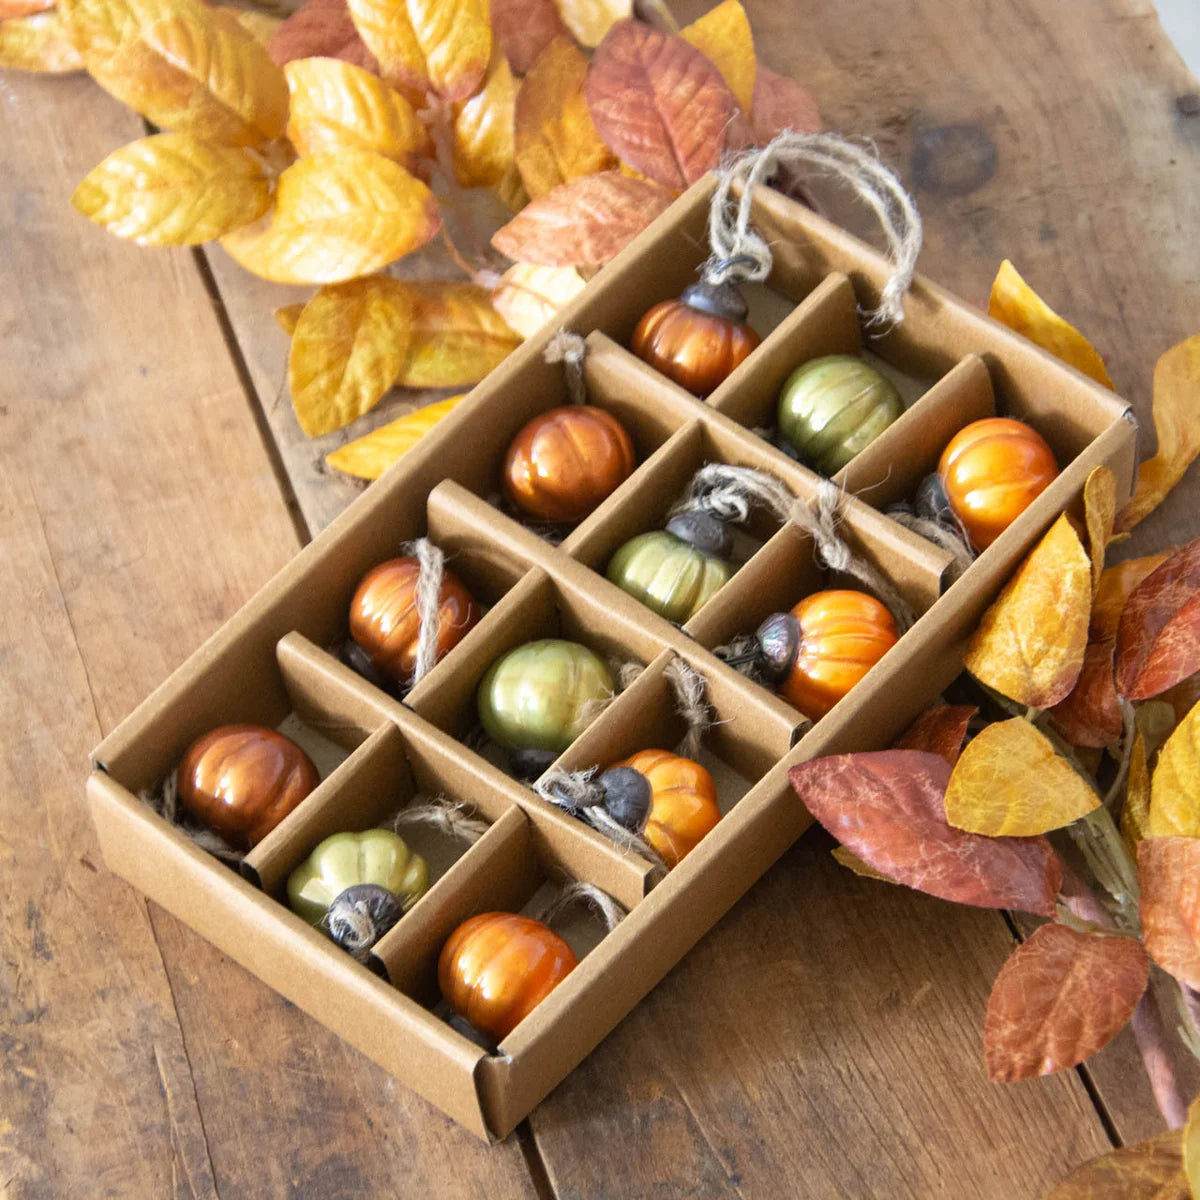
(164, 800)
(740, 253)
(691, 703)
(601, 903)
(451, 818)
(731, 493)
(353, 928)
(954, 544)
(570, 350)
(432, 564)
(580, 794)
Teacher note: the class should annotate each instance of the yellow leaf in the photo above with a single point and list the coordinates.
(428, 45)
(38, 43)
(1008, 782)
(260, 26)
(556, 140)
(337, 216)
(1176, 391)
(723, 36)
(288, 317)
(369, 456)
(1135, 813)
(1019, 307)
(1175, 788)
(349, 344)
(511, 190)
(336, 105)
(483, 129)
(852, 862)
(458, 337)
(1030, 644)
(1100, 510)
(529, 295)
(174, 189)
(100, 28)
(590, 20)
(1191, 1149)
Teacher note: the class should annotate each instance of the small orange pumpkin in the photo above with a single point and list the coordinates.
(992, 471)
(564, 462)
(496, 968)
(384, 620)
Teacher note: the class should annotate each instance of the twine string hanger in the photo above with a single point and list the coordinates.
(569, 349)
(453, 819)
(432, 570)
(611, 914)
(741, 254)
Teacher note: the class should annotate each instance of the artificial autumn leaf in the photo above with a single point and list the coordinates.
(781, 103)
(1176, 387)
(1116, 584)
(369, 456)
(555, 139)
(288, 317)
(1191, 1148)
(428, 45)
(457, 336)
(101, 28)
(512, 191)
(1091, 714)
(1169, 876)
(1014, 303)
(1158, 638)
(1135, 812)
(1059, 998)
(723, 36)
(39, 43)
(590, 20)
(658, 104)
(11, 10)
(1031, 642)
(582, 223)
(261, 26)
(528, 296)
(1009, 782)
(887, 808)
(1100, 510)
(337, 216)
(483, 129)
(939, 729)
(335, 105)
(349, 345)
(174, 189)
(1175, 788)
(1150, 1170)
(321, 28)
(853, 863)
(524, 28)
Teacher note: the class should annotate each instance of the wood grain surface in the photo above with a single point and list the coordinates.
(823, 1040)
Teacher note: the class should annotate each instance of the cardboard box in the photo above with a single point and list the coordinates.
(270, 663)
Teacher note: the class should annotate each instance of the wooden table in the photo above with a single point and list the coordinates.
(824, 1039)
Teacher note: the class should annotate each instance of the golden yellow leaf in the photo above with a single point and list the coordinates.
(428, 45)
(1030, 644)
(1135, 813)
(335, 105)
(174, 189)
(1175, 788)
(337, 216)
(1100, 510)
(1176, 387)
(528, 295)
(556, 140)
(851, 861)
(1114, 588)
(457, 337)
(260, 26)
(349, 343)
(483, 129)
(38, 43)
(288, 317)
(590, 20)
(369, 456)
(1009, 782)
(511, 190)
(100, 28)
(1191, 1148)
(723, 36)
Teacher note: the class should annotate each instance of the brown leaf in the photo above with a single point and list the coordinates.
(524, 28)
(590, 20)
(1116, 584)
(1135, 812)
(528, 296)
(39, 43)
(1150, 1170)
(1176, 385)
(1100, 509)
(1091, 714)
(658, 104)
(940, 730)
(1059, 998)
(582, 223)
(369, 456)
(1175, 788)
(1169, 874)
(723, 36)
(483, 129)
(887, 807)
(321, 29)
(853, 863)
(1158, 638)
(781, 103)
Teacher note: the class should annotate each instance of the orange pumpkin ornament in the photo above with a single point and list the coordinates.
(992, 471)
(384, 622)
(242, 780)
(564, 462)
(699, 339)
(496, 968)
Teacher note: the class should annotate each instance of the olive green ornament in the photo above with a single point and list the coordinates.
(668, 574)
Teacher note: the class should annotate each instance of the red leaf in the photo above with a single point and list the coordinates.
(524, 28)
(940, 730)
(1169, 874)
(1158, 640)
(1060, 997)
(781, 103)
(321, 29)
(888, 808)
(1091, 714)
(658, 103)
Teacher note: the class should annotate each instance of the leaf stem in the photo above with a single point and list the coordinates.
(1102, 846)
(1188, 1004)
(1129, 720)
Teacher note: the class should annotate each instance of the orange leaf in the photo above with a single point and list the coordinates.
(1116, 584)
(524, 28)
(1175, 788)
(288, 317)
(1059, 998)
(582, 223)
(1150, 1170)
(1176, 390)
(1135, 813)
(39, 43)
(1169, 875)
(369, 456)
(658, 104)
(321, 28)
(590, 20)
(781, 103)
(1031, 642)
(853, 863)
(528, 296)
(1100, 509)
(1017, 305)
(723, 36)
(337, 216)
(1091, 714)
(555, 138)
(10, 10)
(940, 730)
(483, 129)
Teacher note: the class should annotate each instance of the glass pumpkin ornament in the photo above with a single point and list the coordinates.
(833, 407)
(699, 339)
(385, 625)
(992, 471)
(242, 780)
(565, 462)
(496, 968)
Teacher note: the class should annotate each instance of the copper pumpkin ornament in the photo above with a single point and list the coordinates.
(566, 461)
(496, 968)
(242, 780)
